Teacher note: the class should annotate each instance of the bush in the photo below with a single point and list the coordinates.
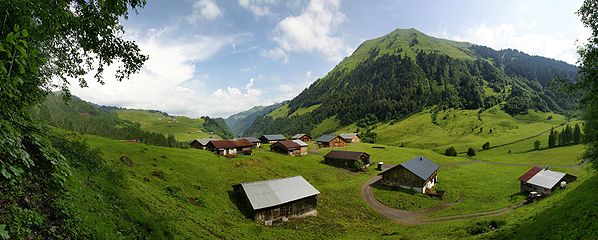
(451, 152)
(485, 226)
(486, 146)
(537, 144)
(359, 165)
(470, 152)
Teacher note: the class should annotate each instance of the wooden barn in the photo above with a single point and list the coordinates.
(272, 138)
(330, 141)
(278, 199)
(201, 143)
(291, 147)
(544, 181)
(350, 137)
(418, 174)
(303, 137)
(346, 159)
(230, 147)
(253, 140)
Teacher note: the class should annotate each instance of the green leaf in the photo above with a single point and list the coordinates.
(5, 173)
(3, 232)
(25, 33)
(16, 170)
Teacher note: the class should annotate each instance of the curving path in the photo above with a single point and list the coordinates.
(421, 216)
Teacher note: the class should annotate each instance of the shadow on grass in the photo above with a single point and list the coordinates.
(235, 198)
(380, 186)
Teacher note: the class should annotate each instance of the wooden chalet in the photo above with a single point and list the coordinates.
(291, 147)
(303, 137)
(201, 143)
(272, 138)
(544, 181)
(350, 137)
(330, 141)
(346, 159)
(418, 174)
(230, 147)
(253, 140)
(279, 199)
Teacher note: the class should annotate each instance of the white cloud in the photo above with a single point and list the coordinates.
(553, 45)
(258, 8)
(169, 80)
(312, 31)
(204, 10)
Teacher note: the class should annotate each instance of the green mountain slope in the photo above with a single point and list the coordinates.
(406, 71)
(239, 122)
(120, 123)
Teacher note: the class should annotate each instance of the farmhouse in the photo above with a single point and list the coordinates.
(543, 181)
(253, 140)
(346, 159)
(272, 138)
(279, 199)
(291, 147)
(230, 147)
(302, 137)
(350, 137)
(418, 174)
(330, 141)
(201, 143)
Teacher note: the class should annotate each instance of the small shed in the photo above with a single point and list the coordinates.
(291, 147)
(350, 137)
(201, 143)
(272, 138)
(230, 147)
(330, 140)
(543, 181)
(253, 140)
(419, 174)
(278, 199)
(346, 159)
(303, 137)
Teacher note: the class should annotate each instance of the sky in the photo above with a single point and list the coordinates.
(216, 58)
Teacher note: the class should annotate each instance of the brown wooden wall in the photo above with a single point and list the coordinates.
(401, 176)
(294, 209)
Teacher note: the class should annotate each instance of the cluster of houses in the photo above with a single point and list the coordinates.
(283, 199)
(296, 146)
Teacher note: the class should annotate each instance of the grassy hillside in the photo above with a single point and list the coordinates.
(183, 128)
(189, 191)
(465, 128)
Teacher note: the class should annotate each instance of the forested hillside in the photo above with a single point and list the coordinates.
(240, 122)
(118, 123)
(407, 71)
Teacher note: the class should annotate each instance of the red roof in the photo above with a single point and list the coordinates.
(239, 143)
(289, 144)
(529, 174)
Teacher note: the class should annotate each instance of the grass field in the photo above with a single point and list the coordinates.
(464, 128)
(183, 128)
(189, 191)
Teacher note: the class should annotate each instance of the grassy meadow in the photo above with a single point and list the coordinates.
(183, 128)
(187, 193)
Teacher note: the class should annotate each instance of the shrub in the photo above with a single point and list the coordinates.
(451, 152)
(470, 152)
(159, 174)
(486, 146)
(537, 144)
(485, 226)
(359, 165)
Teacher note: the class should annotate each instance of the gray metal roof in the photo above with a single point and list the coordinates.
(347, 135)
(421, 166)
(298, 135)
(269, 193)
(326, 138)
(274, 137)
(251, 139)
(204, 141)
(546, 178)
(301, 143)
